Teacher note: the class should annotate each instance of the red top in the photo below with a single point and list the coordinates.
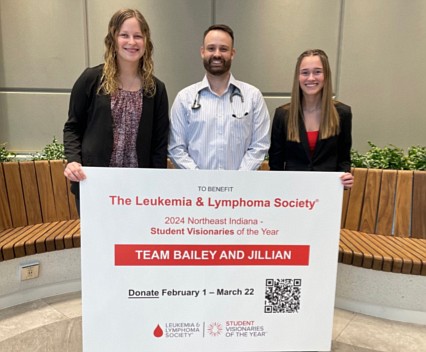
(312, 140)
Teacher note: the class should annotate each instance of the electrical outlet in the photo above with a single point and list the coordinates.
(30, 271)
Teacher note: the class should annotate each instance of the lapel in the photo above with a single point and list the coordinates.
(304, 141)
(304, 138)
(145, 123)
(320, 145)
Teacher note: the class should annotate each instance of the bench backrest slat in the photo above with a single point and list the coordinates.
(371, 201)
(344, 208)
(15, 194)
(403, 203)
(356, 198)
(31, 195)
(45, 186)
(5, 216)
(385, 213)
(60, 191)
(71, 202)
(418, 225)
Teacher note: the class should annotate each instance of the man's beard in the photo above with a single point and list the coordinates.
(217, 70)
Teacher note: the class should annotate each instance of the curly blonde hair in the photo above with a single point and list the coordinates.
(109, 81)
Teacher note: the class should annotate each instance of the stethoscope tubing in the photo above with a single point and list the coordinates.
(235, 92)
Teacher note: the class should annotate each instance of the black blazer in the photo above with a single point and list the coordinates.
(331, 154)
(88, 132)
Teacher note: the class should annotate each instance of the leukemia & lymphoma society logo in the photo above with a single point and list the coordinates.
(214, 329)
(177, 330)
(158, 331)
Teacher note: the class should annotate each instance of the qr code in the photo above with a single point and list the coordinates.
(282, 295)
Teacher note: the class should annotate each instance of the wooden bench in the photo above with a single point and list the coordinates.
(37, 210)
(383, 224)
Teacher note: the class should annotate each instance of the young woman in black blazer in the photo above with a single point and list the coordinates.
(118, 112)
(313, 131)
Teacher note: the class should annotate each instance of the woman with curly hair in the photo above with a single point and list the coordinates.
(118, 111)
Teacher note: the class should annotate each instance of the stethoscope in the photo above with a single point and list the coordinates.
(235, 92)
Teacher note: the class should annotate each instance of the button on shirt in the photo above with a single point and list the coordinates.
(210, 137)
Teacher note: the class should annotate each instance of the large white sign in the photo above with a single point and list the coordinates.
(179, 260)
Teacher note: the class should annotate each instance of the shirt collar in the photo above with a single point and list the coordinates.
(204, 84)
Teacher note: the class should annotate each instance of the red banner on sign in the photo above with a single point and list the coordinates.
(205, 255)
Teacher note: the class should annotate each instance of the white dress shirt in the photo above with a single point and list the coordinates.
(219, 135)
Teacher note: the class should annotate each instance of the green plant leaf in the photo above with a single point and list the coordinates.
(390, 157)
(6, 155)
(52, 151)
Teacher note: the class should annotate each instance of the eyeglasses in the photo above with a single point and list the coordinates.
(314, 72)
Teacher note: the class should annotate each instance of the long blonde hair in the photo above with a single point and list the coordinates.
(329, 122)
(109, 81)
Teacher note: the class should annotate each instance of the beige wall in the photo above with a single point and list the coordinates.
(376, 49)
